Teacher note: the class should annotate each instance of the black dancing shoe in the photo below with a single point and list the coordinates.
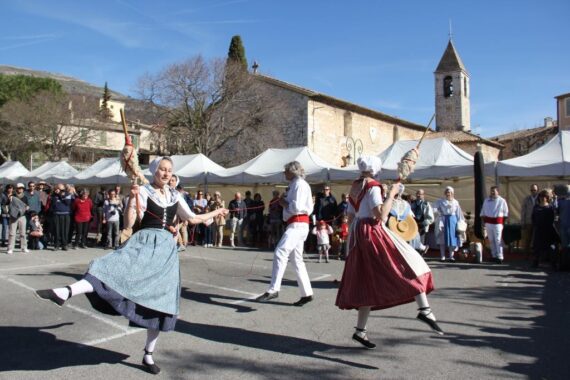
(150, 368)
(303, 301)
(267, 296)
(430, 322)
(49, 295)
(363, 340)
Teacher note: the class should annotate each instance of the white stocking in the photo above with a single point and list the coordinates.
(423, 305)
(151, 338)
(80, 287)
(363, 313)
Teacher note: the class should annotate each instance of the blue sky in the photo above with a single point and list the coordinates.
(380, 54)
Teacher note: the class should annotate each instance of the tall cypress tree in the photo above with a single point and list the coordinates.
(236, 52)
(105, 111)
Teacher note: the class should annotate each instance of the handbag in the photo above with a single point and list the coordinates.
(461, 226)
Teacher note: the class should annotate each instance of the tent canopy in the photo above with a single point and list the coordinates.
(106, 171)
(192, 168)
(268, 167)
(51, 172)
(11, 170)
(551, 159)
(439, 158)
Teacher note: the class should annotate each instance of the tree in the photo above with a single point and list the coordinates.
(22, 87)
(52, 123)
(105, 112)
(236, 53)
(207, 106)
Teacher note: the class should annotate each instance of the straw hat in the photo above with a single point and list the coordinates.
(407, 229)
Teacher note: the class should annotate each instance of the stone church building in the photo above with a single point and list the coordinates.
(340, 131)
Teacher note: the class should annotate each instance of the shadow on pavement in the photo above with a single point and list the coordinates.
(544, 338)
(34, 349)
(268, 342)
(212, 299)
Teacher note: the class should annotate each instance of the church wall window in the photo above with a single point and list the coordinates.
(347, 124)
(448, 86)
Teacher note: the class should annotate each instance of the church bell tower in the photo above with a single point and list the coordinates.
(452, 91)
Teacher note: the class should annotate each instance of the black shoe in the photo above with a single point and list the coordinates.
(499, 261)
(452, 259)
(150, 368)
(267, 296)
(430, 322)
(365, 342)
(64, 248)
(49, 295)
(303, 301)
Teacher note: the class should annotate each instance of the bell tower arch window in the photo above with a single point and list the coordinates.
(448, 86)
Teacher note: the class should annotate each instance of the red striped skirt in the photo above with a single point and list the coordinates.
(376, 273)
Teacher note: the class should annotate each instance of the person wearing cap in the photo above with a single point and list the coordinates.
(494, 212)
(18, 206)
(381, 270)
(297, 204)
(141, 279)
(449, 214)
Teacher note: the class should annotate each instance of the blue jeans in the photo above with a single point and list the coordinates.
(5, 228)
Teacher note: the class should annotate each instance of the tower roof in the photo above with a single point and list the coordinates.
(450, 61)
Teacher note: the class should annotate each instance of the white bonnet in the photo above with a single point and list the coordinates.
(450, 189)
(153, 166)
(371, 164)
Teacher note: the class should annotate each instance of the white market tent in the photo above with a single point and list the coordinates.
(268, 168)
(438, 159)
(192, 168)
(10, 170)
(51, 171)
(106, 171)
(551, 159)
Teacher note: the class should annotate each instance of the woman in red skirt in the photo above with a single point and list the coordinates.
(381, 270)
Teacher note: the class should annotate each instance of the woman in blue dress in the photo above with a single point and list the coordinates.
(141, 279)
(449, 213)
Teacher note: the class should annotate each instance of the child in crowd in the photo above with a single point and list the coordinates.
(36, 232)
(343, 236)
(323, 230)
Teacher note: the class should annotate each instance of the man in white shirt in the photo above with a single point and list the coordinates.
(297, 205)
(494, 212)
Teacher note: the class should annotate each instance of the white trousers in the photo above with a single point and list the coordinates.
(292, 241)
(494, 233)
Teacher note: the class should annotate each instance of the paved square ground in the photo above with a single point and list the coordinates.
(501, 321)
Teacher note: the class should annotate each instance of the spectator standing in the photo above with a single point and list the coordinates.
(322, 231)
(220, 220)
(99, 202)
(326, 206)
(238, 213)
(449, 213)
(256, 220)
(342, 208)
(82, 216)
(275, 220)
(209, 227)
(111, 215)
(5, 204)
(564, 217)
(494, 212)
(544, 234)
(61, 208)
(423, 214)
(18, 206)
(199, 206)
(34, 201)
(526, 216)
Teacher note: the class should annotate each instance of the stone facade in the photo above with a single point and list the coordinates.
(325, 124)
(563, 108)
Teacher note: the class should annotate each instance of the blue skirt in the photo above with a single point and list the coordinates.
(450, 231)
(140, 280)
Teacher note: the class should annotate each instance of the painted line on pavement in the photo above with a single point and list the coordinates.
(218, 287)
(112, 337)
(40, 266)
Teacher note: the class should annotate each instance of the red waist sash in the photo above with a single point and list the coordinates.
(302, 218)
(498, 220)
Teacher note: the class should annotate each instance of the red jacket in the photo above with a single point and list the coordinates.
(82, 210)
